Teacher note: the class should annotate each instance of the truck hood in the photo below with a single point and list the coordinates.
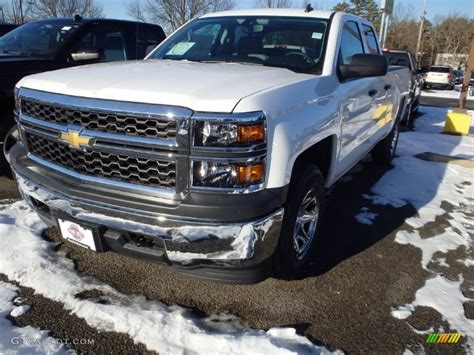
(211, 87)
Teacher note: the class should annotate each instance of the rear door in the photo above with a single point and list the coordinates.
(383, 100)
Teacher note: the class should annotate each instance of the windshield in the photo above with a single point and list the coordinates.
(440, 69)
(288, 42)
(37, 39)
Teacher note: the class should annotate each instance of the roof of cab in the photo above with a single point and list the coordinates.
(85, 20)
(272, 12)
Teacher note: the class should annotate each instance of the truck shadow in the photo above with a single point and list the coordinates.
(341, 235)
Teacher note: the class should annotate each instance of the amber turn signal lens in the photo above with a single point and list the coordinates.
(251, 133)
(252, 174)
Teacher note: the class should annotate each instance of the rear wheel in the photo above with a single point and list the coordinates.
(300, 228)
(415, 106)
(408, 115)
(384, 151)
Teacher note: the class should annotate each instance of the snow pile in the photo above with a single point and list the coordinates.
(444, 242)
(365, 216)
(403, 312)
(26, 340)
(31, 261)
(20, 310)
(445, 296)
(428, 186)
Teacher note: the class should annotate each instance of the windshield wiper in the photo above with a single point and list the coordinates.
(182, 59)
(312, 69)
(210, 61)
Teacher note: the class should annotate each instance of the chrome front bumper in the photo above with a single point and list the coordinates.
(193, 247)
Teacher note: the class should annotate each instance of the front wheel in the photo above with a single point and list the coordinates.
(300, 230)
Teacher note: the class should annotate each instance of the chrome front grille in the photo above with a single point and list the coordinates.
(122, 167)
(129, 124)
(133, 146)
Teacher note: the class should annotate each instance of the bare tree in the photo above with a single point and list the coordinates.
(66, 8)
(136, 10)
(16, 11)
(403, 29)
(454, 33)
(274, 3)
(173, 13)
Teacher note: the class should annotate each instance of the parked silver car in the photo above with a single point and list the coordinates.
(440, 77)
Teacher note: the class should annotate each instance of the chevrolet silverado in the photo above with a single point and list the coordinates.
(214, 153)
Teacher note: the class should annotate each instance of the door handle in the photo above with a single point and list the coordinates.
(372, 92)
(387, 87)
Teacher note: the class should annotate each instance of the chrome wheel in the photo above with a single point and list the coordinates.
(306, 223)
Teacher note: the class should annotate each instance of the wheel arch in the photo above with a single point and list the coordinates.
(322, 154)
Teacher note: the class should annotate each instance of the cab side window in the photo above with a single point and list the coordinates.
(146, 39)
(351, 42)
(107, 42)
(371, 39)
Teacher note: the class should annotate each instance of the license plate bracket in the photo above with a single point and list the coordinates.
(79, 233)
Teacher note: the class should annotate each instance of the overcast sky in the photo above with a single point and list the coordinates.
(117, 8)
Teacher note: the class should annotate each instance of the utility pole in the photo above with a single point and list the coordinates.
(22, 16)
(382, 26)
(387, 21)
(387, 9)
(467, 77)
(420, 34)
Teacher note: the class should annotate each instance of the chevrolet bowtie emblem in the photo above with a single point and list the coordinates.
(74, 139)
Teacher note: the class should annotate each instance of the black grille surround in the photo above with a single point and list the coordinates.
(144, 171)
(96, 120)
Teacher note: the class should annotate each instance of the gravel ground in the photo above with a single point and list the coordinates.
(343, 302)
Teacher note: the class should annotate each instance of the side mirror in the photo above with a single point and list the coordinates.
(90, 54)
(150, 49)
(364, 65)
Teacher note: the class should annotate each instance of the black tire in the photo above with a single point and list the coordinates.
(384, 151)
(406, 121)
(288, 262)
(415, 106)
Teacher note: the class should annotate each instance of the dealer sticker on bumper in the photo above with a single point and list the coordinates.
(77, 234)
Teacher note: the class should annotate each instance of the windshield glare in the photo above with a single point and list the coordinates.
(293, 43)
(36, 39)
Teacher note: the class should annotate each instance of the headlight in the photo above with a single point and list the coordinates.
(237, 145)
(224, 132)
(228, 175)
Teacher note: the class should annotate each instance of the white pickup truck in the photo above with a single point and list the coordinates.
(213, 154)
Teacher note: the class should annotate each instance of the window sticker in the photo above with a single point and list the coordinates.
(317, 35)
(181, 48)
(66, 28)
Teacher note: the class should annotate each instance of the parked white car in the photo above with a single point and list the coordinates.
(440, 77)
(214, 154)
